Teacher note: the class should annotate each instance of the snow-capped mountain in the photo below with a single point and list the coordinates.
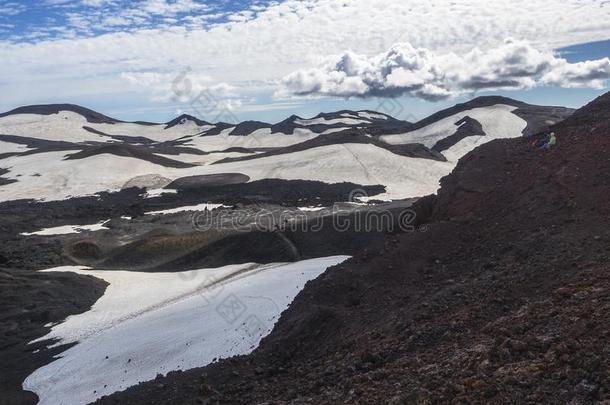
(185, 119)
(459, 129)
(58, 151)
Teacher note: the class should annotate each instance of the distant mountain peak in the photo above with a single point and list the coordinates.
(248, 127)
(183, 119)
(50, 109)
(486, 101)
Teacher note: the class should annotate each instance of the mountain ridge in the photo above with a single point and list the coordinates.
(342, 140)
(96, 117)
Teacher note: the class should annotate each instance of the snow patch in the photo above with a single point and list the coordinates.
(404, 177)
(498, 121)
(262, 138)
(9, 147)
(348, 115)
(311, 209)
(159, 192)
(67, 229)
(372, 116)
(149, 324)
(69, 126)
(63, 126)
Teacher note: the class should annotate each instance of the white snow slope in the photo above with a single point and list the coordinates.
(372, 116)
(47, 176)
(68, 126)
(9, 147)
(358, 163)
(498, 121)
(149, 324)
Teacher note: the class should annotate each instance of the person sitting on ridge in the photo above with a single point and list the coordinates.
(548, 143)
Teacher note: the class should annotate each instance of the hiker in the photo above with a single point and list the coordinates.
(550, 142)
(538, 143)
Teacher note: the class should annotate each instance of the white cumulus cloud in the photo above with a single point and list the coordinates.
(422, 73)
(591, 73)
(184, 87)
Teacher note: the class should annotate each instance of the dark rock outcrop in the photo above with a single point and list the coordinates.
(49, 109)
(467, 127)
(183, 119)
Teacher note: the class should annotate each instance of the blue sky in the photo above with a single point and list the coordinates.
(266, 60)
(33, 20)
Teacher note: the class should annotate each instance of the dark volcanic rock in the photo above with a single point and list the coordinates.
(247, 127)
(49, 109)
(132, 151)
(183, 119)
(43, 252)
(135, 147)
(39, 145)
(467, 127)
(122, 138)
(372, 126)
(346, 137)
(218, 128)
(29, 301)
(287, 126)
(4, 181)
(539, 119)
(208, 180)
(267, 234)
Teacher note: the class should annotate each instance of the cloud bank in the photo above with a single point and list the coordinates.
(102, 47)
(422, 73)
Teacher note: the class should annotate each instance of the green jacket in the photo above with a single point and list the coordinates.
(552, 140)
